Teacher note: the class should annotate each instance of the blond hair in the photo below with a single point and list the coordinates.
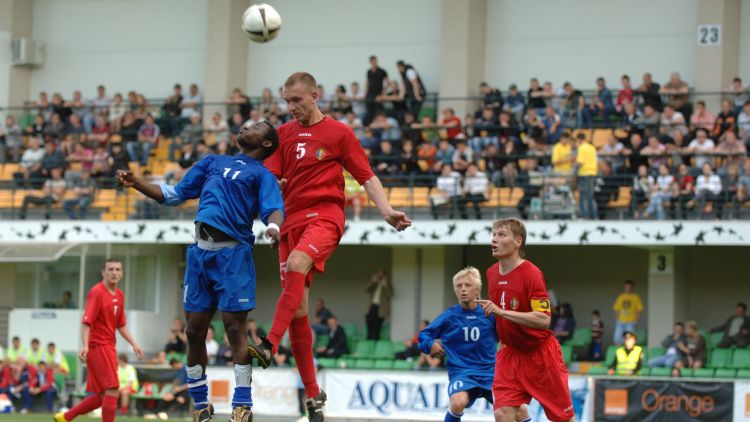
(472, 274)
(303, 78)
(516, 227)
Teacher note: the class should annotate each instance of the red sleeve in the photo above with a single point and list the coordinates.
(93, 304)
(353, 157)
(49, 380)
(273, 163)
(33, 379)
(121, 320)
(538, 293)
(5, 377)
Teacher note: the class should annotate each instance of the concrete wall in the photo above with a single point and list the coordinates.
(745, 41)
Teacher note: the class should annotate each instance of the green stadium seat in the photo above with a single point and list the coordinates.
(598, 370)
(398, 346)
(715, 339)
(610, 356)
(686, 372)
(720, 358)
(72, 359)
(743, 373)
(581, 337)
(703, 372)
(351, 330)
(218, 327)
(345, 362)
(321, 340)
(642, 336)
(383, 364)
(385, 331)
(327, 362)
(60, 382)
(567, 353)
(740, 359)
(403, 365)
(383, 350)
(364, 348)
(645, 372)
(725, 373)
(364, 364)
(655, 352)
(660, 372)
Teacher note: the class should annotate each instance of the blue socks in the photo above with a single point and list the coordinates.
(243, 375)
(450, 417)
(198, 386)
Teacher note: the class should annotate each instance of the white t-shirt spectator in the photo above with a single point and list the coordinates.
(451, 185)
(677, 122)
(707, 146)
(188, 112)
(212, 349)
(710, 183)
(617, 160)
(101, 104)
(476, 185)
(743, 123)
(664, 183)
(31, 157)
(467, 155)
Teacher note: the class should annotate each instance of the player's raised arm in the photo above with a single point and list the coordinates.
(429, 338)
(127, 179)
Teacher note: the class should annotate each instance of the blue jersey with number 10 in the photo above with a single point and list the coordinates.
(469, 339)
(232, 192)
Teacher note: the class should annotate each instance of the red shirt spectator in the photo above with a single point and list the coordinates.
(451, 123)
(626, 94)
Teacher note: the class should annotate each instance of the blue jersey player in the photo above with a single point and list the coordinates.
(468, 339)
(220, 274)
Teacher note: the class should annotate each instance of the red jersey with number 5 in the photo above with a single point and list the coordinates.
(104, 313)
(311, 159)
(523, 289)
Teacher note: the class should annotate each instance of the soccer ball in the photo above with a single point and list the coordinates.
(261, 22)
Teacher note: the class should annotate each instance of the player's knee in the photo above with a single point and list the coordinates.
(299, 262)
(458, 404)
(505, 414)
(194, 334)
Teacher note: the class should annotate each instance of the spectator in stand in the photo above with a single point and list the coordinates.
(586, 169)
(218, 129)
(387, 128)
(648, 122)
(354, 123)
(602, 104)
(43, 106)
(54, 358)
(170, 122)
(672, 121)
(409, 160)
(562, 155)
(476, 190)
(462, 157)
(337, 345)
(25, 379)
(192, 133)
(31, 162)
(626, 94)
(324, 100)
(10, 140)
(649, 92)
(6, 376)
(450, 123)
(320, 324)
(192, 103)
(679, 94)
(682, 192)
(536, 97)
(254, 333)
(358, 101)
(176, 399)
(597, 332)
(447, 191)
(129, 129)
(563, 323)
(267, 102)
(118, 159)
(491, 97)
(117, 111)
(100, 165)
(83, 191)
(673, 353)
(736, 329)
(628, 308)
(148, 139)
(487, 122)
(15, 350)
(35, 354)
(212, 346)
(532, 182)
(99, 105)
(224, 357)
(641, 187)
(612, 151)
(731, 183)
(606, 188)
(534, 125)
(386, 161)
(514, 102)
(427, 153)
(53, 191)
(726, 120)
(743, 125)
(575, 112)
(693, 349)
(55, 128)
(656, 153)
(733, 152)
(58, 107)
(740, 94)
(128, 382)
(660, 192)
(444, 155)
(186, 161)
(177, 339)
(99, 133)
(412, 89)
(411, 345)
(380, 291)
(79, 106)
(240, 103)
(341, 103)
(743, 188)
(138, 104)
(631, 119)
(628, 357)
(701, 117)
(701, 146)
(552, 125)
(708, 189)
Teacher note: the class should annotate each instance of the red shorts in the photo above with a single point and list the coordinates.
(540, 374)
(317, 240)
(101, 363)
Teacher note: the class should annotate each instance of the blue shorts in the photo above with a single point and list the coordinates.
(476, 386)
(222, 279)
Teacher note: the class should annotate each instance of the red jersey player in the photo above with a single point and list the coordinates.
(312, 150)
(104, 314)
(530, 363)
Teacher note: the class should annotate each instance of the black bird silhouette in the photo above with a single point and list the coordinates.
(732, 232)
(646, 235)
(434, 236)
(544, 236)
(380, 229)
(346, 228)
(29, 235)
(614, 230)
(719, 230)
(561, 228)
(114, 233)
(364, 237)
(45, 227)
(63, 236)
(187, 231)
(659, 236)
(701, 238)
(601, 229)
(160, 236)
(488, 229)
(125, 235)
(88, 230)
(141, 228)
(19, 234)
(175, 228)
(532, 234)
(78, 229)
(677, 229)
(451, 228)
(422, 234)
(584, 238)
(473, 237)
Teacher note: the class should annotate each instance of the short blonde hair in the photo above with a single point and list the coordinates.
(472, 274)
(303, 78)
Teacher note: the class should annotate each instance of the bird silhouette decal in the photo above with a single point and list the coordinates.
(701, 238)
(561, 228)
(677, 229)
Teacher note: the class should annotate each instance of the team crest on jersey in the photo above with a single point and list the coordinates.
(514, 303)
(320, 153)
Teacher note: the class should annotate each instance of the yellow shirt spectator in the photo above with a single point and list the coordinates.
(128, 377)
(586, 159)
(628, 306)
(562, 152)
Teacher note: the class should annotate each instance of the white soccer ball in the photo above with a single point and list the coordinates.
(261, 22)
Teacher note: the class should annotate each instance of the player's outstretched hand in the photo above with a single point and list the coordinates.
(83, 353)
(282, 184)
(125, 178)
(399, 220)
(138, 352)
(437, 350)
(274, 237)
(488, 307)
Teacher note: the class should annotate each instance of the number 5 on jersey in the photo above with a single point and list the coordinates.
(301, 149)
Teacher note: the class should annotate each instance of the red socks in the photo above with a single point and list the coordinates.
(123, 411)
(286, 307)
(301, 339)
(109, 408)
(86, 406)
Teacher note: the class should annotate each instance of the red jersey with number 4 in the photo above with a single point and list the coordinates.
(104, 313)
(311, 159)
(523, 289)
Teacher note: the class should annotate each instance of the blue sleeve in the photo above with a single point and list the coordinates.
(269, 196)
(191, 185)
(432, 332)
(171, 197)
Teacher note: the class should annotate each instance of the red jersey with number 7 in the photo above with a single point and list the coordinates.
(523, 289)
(104, 313)
(311, 159)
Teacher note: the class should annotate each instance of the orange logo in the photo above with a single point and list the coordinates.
(616, 402)
(747, 404)
(220, 391)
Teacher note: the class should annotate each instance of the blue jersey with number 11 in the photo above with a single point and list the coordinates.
(469, 339)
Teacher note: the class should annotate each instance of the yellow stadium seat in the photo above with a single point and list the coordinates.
(623, 198)
(600, 137)
(8, 170)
